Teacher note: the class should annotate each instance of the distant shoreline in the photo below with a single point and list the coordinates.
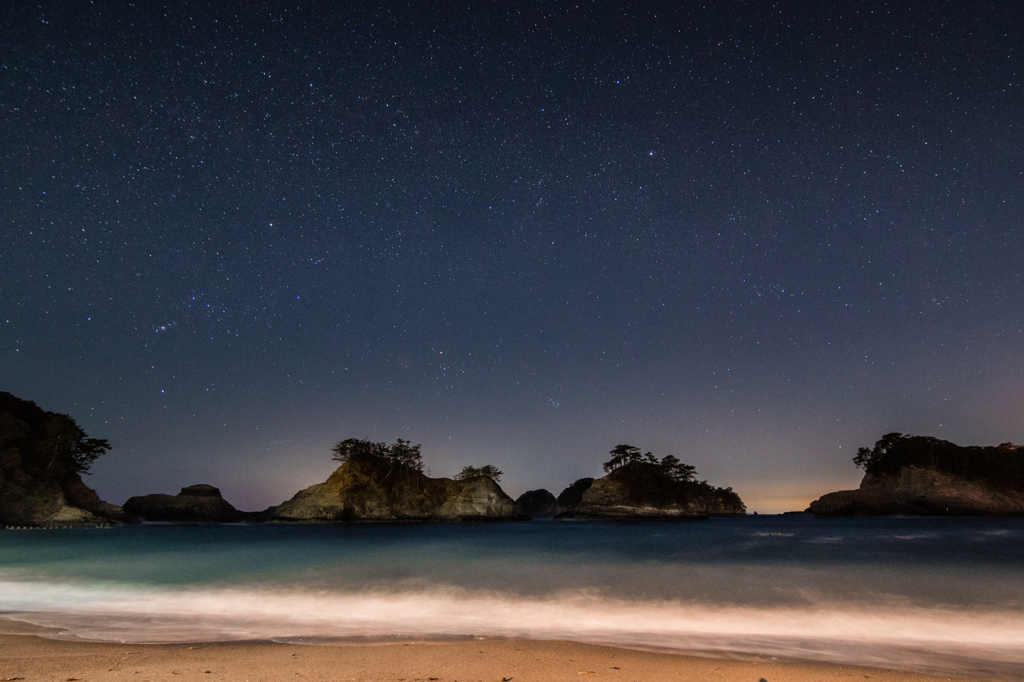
(32, 652)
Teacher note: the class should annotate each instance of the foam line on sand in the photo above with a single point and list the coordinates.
(27, 653)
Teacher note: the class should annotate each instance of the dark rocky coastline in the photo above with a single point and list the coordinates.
(40, 477)
(199, 503)
(613, 497)
(915, 491)
(926, 476)
(538, 504)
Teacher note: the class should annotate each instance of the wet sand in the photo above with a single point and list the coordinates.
(33, 657)
(29, 652)
(27, 655)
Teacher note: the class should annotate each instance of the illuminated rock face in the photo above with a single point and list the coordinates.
(54, 504)
(194, 504)
(357, 493)
(920, 491)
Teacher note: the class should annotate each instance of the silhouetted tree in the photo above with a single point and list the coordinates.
(676, 470)
(357, 450)
(623, 455)
(659, 482)
(69, 449)
(489, 470)
(45, 445)
(402, 455)
(871, 458)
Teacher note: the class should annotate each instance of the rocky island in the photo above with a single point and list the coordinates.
(43, 456)
(925, 476)
(377, 482)
(639, 486)
(199, 503)
(538, 504)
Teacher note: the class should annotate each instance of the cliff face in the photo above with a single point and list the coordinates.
(920, 491)
(479, 498)
(194, 504)
(25, 501)
(356, 492)
(36, 486)
(612, 498)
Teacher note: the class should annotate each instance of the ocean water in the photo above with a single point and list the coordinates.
(932, 595)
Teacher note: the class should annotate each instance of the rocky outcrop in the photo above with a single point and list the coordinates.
(612, 497)
(920, 491)
(478, 498)
(37, 486)
(573, 495)
(54, 504)
(81, 496)
(927, 476)
(538, 504)
(194, 504)
(606, 499)
(360, 492)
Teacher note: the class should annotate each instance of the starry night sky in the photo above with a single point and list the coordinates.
(753, 235)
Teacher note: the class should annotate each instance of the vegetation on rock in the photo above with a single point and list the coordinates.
(402, 454)
(661, 483)
(489, 470)
(45, 445)
(391, 468)
(42, 457)
(1001, 466)
(378, 482)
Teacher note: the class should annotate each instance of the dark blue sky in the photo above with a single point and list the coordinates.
(755, 236)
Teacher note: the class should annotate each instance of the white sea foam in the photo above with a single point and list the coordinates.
(933, 596)
(884, 635)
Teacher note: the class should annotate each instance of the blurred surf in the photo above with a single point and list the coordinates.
(934, 595)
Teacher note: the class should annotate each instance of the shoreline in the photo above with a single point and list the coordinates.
(30, 652)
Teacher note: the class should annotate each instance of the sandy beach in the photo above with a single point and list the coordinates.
(26, 654)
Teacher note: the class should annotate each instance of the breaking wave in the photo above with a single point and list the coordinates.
(936, 596)
(989, 642)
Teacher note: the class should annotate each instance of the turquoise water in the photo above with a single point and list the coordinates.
(937, 595)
